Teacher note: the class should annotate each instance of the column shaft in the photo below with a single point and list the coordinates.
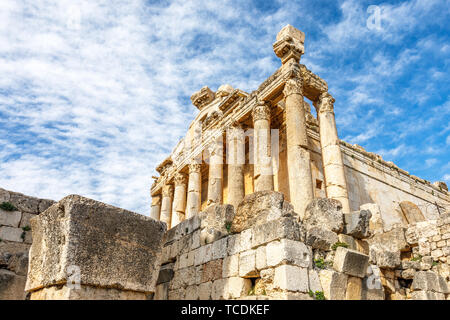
(333, 165)
(156, 207)
(215, 175)
(179, 199)
(263, 172)
(235, 161)
(166, 205)
(298, 157)
(194, 190)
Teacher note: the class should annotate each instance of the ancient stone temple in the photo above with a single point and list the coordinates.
(260, 200)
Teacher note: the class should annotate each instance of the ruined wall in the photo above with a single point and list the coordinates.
(15, 241)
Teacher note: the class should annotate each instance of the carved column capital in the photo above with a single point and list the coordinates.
(167, 190)
(261, 111)
(195, 167)
(180, 179)
(289, 44)
(325, 103)
(235, 133)
(293, 86)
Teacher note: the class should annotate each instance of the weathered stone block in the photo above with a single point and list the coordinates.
(212, 270)
(230, 267)
(284, 228)
(246, 240)
(191, 293)
(219, 249)
(314, 281)
(375, 222)
(261, 261)
(350, 262)
(24, 203)
(259, 208)
(319, 238)
(11, 234)
(247, 264)
(325, 213)
(357, 224)
(11, 286)
(217, 217)
(383, 258)
(288, 251)
(203, 254)
(291, 278)
(112, 247)
(218, 289)
(334, 284)
(236, 287)
(354, 288)
(426, 281)
(10, 218)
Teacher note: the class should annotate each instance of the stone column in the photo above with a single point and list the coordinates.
(235, 161)
(215, 175)
(333, 165)
(263, 173)
(179, 199)
(166, 205)
(194, 196)
(298, 157)
(156, 207)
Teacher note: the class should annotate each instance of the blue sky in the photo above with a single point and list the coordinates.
(93, 94)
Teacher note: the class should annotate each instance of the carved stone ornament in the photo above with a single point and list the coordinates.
(293, 86)
(195, 167)
(180, 178)
(202, 97)
(261, 111)
(167, 190)
(325, 103)
(289, 44)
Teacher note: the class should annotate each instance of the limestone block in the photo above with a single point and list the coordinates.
(4, 195)
(393, 240)
(284, 228)
(314, 281)
(217, 217)
(261, 261)
(334, 284)
(426, 281)
(24, 203)
(25, 221)
(209, 235)
(247, 264)
(230, 266)
(288, 251)
(383, 258)
(18, 263)
(111, 247)
(203, 254)
(11, 285)
(191, 293)
(259, 208)
(427, 229)
(408, 274)
(354, 288)
(218, 289)
(349, 240)
(10, 218)
(350, 262)
(291, 278)
(375, 222)
(319, 238)
(357, 224)
(427, 295)
(233, 244)
(11, 234)
(236, 287)
(212, 270)
(44, 204)
(219, 249)
(187, 259)
(325, 213)
(246, 240)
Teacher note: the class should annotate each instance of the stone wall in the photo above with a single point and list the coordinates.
(15, 241)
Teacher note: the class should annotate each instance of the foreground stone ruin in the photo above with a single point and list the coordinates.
(260, 200)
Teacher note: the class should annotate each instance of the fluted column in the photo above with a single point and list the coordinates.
(166, 205)
(235, 161)
(215, 175)
(194, 190)
(333, 165)
(179, 199)
(298, 157)
(156, 207)
(263, 173)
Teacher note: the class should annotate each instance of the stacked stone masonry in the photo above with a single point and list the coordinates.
(15, 241)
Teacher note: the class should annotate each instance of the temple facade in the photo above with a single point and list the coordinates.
(241, 143)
